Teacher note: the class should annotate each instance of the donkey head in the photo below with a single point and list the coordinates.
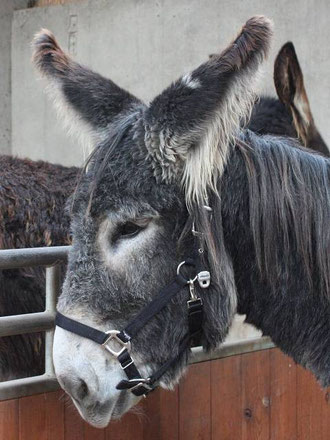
(152, 169)
(289, 83)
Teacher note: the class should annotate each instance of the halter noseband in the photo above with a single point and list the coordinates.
(118, 343)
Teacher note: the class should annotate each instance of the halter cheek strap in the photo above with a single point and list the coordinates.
(118, 343)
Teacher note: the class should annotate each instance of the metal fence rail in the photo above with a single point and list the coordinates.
(43, 256)
(52, 257)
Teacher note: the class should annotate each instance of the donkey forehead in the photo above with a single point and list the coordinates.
(127, 194)
(121, 177)
(133, 195)
(123, 154)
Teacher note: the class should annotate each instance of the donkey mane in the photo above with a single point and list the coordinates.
(289, 206)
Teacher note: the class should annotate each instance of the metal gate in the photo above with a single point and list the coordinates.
(51, 257)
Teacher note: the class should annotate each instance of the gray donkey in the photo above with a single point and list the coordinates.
(164, 180)
(24, 224)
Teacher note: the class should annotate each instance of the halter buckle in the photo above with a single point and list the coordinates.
(197, 302)
(116, 341)
(142, 383)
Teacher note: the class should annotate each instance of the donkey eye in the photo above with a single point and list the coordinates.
(129, 229)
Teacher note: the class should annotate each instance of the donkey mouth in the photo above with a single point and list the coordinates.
(99, 414)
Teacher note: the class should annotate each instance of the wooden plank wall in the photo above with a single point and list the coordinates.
(255, 396)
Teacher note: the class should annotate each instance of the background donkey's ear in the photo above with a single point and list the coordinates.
(94, 99)
(190, 126)
(289, 83)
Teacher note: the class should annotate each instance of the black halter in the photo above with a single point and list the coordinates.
(118, 343)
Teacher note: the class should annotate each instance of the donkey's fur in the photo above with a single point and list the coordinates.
(267, 242)
(32, 200)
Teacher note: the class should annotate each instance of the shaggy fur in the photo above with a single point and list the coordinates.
(270, 116)
(266, 244)
(32, 200)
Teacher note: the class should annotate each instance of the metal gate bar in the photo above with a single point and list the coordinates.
(12, 389)
(53, 285)
(43, 256)
(29, 323)
(34, 322)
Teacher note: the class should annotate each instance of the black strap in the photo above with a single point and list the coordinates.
(182, 348)
(80, 329)
(195, 320)
(155, 306)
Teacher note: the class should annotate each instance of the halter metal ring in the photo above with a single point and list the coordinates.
(190, 281)
(116, 341)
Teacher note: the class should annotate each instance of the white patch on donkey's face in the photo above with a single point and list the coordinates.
(117, 250)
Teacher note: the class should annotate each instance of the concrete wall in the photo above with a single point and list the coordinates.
(143, 45)
(6, 13)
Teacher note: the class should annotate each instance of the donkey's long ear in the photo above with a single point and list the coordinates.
(191, 125)
(78, 91)
(289, 83)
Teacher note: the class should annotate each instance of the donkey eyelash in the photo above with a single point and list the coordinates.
(130, 229)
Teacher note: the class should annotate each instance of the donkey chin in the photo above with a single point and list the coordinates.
(80, 362)
(99, 415)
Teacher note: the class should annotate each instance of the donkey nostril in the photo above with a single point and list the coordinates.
(82, 390)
